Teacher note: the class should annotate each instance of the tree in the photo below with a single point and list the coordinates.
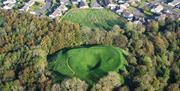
(120, 41)
(129, 26)
(109, 82)
(124, 88)
(56, 87)
(154, 26)
(73, 84)
(116, 29)
(173, 87)
(1, 20)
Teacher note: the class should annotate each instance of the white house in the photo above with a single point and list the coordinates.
(74, 2)
(65, 2)
(9, 6)
(121, 1)
(59, 11)
(119, 11)
(112, 6)
(24, 8)
(124, 6)
(9, 2)
(128, 16)
(157, 9)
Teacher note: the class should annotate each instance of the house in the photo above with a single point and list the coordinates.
(39, 1)
(96, 5)
(24, 8)
(124, 6)
(157, 8)
(36, 12)
(74, 2)
(112, 1)
(112, 6)
(137, 13)
(121, 1)
(59, 11)
(47, 5)
(83, 4)
(106, 2)
(133, 1)
(166, 11)
(178, 6)
(30, 3)
(27, 6)
(9, 6)
(128, 16)
(119, 11)
(9, 2)
(137, 22)
(65, 2)
(174, 3)
(63, 8)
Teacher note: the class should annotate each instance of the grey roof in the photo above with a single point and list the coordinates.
(106, 2)
(80, 4)
(74, 0)
(65, 1)
(47, 0)
(95, 4)
(47, 5)
(136, 12)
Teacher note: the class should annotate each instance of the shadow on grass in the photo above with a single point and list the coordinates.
(110, 23)
(51, 56)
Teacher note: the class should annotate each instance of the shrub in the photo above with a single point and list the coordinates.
(109, 82)
(73, 84)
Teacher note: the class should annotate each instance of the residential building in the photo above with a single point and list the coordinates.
(30, 3)
(119, 11)
(27, 6)
(174, 3)
(74, 1)
(128, 16)
(59, 11)
(36, 12)
(124, 6)
(9, 6)
(9, 2)
(157, 9)
(96, 5)
(47, 5)
(24, 8)
(106, 2)
(65, 2)
(112, 6)
(178, 6)
(83, 4)
(39, 1)
(121, 1)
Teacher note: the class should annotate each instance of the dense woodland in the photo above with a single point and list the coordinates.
(26, 42)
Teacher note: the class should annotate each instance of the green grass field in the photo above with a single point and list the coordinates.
(94, 18)
(88, 64)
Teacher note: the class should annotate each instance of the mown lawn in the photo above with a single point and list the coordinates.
(88, 64)
(94, 18)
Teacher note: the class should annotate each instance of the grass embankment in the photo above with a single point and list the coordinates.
(94, 18)
(88, 64)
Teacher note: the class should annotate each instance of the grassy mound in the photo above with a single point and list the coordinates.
(94, 18)
(88, 63)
